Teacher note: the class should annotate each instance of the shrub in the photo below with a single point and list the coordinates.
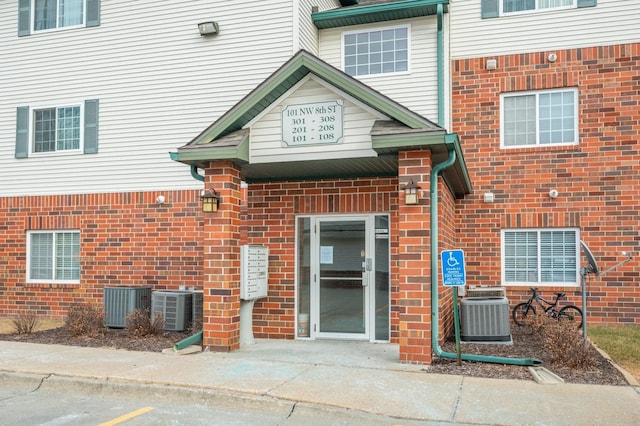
(139, 323)
(26, 323)
(563, 342)
(85, 320)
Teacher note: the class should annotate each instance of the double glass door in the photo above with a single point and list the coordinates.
(344, 291)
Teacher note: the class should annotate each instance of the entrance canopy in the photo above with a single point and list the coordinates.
(309, 120)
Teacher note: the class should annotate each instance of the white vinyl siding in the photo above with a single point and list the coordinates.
(417, 89)
(266, 130)
(306, 36)
(541, 118)
(540, 257)
(609, 22)
(53, 256)
(161, 86)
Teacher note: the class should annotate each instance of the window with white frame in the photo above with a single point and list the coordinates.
(54, 256)
(50, 14)
(540, 257)
(45, 129)
(511, 6)
(548, 117)
(56, 129)
(375, 52)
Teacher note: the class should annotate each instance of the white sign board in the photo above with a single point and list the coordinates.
(254, 272)
(313, 123)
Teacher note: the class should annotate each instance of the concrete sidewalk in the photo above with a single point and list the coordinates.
(359, 376)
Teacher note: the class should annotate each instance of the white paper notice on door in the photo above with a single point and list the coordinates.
(326, 255)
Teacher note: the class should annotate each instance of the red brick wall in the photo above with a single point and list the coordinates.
(270, 221)
(598, 180)
(126, 239)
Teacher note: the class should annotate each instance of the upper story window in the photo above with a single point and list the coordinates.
(547, 117)
(48, 14)
(54, 256)
(495, 8)
(375, 52)
(509, 6)
(70, 128)
(44, 15)
(56, 129)
(540, 257)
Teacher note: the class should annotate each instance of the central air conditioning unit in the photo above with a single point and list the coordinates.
(176, 308)
(119, 301)
(485, 320)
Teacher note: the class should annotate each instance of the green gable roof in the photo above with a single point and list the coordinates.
(227, 139)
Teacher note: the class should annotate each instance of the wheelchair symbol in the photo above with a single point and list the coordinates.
(452, 261)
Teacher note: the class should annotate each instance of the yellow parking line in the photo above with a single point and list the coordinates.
(127, 416)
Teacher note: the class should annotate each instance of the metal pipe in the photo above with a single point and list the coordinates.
(195, 174)
(191, 340)
(435, 345)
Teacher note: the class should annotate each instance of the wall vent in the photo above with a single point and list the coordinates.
(119, 301)
(176, 308)
(485, 320)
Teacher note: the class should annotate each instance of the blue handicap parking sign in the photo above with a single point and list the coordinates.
(453, 272)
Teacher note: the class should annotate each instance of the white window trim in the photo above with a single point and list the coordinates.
(536, 9)
(576, 120)
(538, 283)
(48, 231)
(57, 28)
(368, 30)
(32, 110)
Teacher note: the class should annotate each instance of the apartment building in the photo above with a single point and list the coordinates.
(307, 123)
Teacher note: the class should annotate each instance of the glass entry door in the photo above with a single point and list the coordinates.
(343, 278)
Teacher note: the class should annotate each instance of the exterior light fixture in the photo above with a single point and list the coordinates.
(208, 28)
(210, 200)
(411, 195)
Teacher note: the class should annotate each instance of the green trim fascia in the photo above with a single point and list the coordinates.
(285, 78)
(453, 139)
(238, 154)
(383, 142)
(382, 12)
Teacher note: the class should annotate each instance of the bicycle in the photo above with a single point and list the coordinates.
(569, 313)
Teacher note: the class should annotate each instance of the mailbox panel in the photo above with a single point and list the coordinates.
(254, 272)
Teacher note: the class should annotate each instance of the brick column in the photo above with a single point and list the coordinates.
(221, 283)
(414, 301)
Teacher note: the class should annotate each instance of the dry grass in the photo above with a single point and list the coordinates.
(621, 343)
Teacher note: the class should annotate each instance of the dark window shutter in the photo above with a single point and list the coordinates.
(24, 17)
(490, 9)
(22, 132)
(587, 3)
(91, 126)
(93, 13)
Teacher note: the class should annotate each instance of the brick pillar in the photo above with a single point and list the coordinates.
(221, 283)
(414, 299)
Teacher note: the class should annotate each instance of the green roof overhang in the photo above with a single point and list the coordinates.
(367, 14)
(456, 176)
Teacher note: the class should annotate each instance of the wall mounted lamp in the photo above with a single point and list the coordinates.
(210, 200)
(411, 193)
(208, 28)
(554, 193)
